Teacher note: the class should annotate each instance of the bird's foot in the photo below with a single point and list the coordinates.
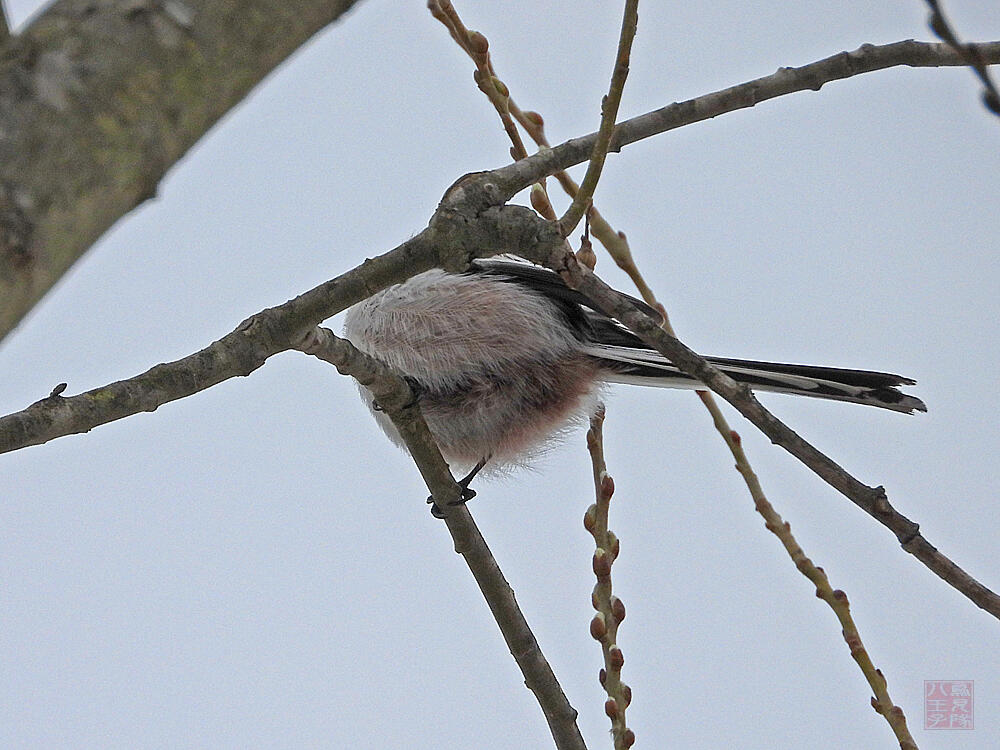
(466, 495)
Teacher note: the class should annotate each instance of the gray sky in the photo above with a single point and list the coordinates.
(255, 566)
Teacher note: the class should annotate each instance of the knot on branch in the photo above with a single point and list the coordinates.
(465, 228)
(471, 194)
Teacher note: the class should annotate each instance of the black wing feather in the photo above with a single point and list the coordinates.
(549, 284)
(593, 327)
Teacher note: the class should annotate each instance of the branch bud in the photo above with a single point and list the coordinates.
(616, 658)
(602, 563)
(598, 628)
(616, 546)
(535, 119)
(588, 257)
(607, 483)
(617, 609)
(540, 199)
(478, 44)
(611, 708)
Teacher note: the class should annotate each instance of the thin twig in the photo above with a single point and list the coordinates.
(837, 600)
(609, 114)
(872, 500)
(477, 46)
(398, 402)
(866, 59)
(969, 54)
(610, 609)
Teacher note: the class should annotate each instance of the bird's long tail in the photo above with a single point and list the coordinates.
(628, 364)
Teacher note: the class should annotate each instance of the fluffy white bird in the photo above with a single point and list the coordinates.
(505, 357)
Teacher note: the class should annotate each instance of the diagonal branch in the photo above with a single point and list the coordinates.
(872, 500)
(446, 245)
(477, 47)
(835, 598)
(968, 52)
(866, 59)
(99, 99)
(609, 115)
(238, 353)
(399, 403)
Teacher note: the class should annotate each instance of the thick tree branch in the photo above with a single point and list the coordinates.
(118, 109)
(451, 242)
(99, 98)
(399, 403)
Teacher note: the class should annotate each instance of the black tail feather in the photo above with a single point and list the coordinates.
(880, 389)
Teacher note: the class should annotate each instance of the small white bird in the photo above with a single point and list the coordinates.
(505, 357)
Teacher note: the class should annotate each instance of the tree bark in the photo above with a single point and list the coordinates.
(99, 98)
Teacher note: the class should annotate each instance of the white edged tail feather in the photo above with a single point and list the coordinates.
(631, 365)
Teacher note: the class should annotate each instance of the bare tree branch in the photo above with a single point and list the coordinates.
(236, 354)
(866, 59)
(610, 609)
(835, 598)
(609, 116)
(471, 223)
(399, 403)
(99, 99)
(872, 500)
(477, 47)
(968, 52)
(446, 245)
(59, 193)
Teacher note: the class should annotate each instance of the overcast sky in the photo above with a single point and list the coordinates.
(255, 566)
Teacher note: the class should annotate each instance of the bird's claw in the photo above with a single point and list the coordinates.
(467, 494)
